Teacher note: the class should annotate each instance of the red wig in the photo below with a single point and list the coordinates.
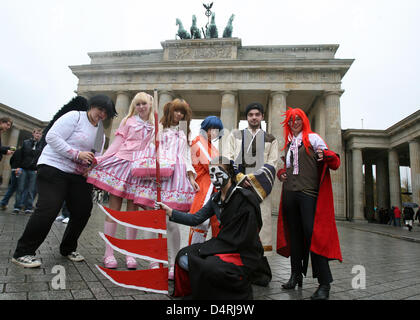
(290, 115)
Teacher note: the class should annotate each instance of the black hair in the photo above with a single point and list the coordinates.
(254, 105)
(103, 101)
(77, 103)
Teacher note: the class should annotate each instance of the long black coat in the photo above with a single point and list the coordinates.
(222, 267)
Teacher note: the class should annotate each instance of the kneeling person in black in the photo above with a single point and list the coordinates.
(222, 267)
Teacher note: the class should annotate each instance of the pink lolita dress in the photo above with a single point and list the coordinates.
(113, 171)
(176, 191)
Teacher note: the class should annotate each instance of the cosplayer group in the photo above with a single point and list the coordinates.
(202, 187)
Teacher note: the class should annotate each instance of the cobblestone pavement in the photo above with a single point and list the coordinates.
(389, 255)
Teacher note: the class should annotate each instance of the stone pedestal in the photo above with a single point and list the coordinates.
(201, 49)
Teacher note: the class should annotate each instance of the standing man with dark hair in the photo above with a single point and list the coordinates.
(5, 124)
(30, 152)
(253, 149)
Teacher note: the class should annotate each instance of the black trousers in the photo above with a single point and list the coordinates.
(55, 187)
(299, 209)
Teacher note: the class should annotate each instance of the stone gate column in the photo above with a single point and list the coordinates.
(164, 98)
(334, 142)
(357, 161)
(277, 108)
(415, 170)
(370, 205)
(394, 178)
(382, 183)
(229, 110)
(122, 105)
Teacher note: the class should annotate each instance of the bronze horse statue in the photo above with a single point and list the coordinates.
(182, 33)
(227, 33)
(212, 28)
(195, 32)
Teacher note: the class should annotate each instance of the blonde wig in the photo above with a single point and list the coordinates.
(141, 97)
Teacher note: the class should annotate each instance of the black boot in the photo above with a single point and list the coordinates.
(295, 279)
(322, 293)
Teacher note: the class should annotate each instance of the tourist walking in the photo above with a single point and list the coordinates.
(408, 217)
(397, 215)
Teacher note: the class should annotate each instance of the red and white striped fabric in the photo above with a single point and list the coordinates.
(155, 250)
(148, 220)
(151, 280)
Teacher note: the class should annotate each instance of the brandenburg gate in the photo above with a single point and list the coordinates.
(221, 77)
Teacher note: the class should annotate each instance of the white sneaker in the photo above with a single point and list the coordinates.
(65, 220)
(75, 256)
(59, 218)
(27, 261)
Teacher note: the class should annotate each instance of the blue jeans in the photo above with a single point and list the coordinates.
(10, 190)
(26, 190)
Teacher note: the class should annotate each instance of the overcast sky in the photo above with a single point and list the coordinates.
(40, 39)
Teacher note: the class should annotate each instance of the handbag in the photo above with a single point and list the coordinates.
(146, 168)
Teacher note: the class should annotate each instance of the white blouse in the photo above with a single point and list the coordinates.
(70, 134)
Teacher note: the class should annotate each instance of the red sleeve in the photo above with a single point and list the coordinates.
(332, 159)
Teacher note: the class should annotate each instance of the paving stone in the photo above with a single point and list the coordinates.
(82, 294)
(51, 295)
(26, 287)
(14, 296)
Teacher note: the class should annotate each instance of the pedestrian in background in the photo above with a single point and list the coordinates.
(408, 217)
(5, 124)
(397, 215)
(28, 157)
(13, 182)
(391, 216)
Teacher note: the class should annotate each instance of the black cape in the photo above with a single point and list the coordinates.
(223, 267)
